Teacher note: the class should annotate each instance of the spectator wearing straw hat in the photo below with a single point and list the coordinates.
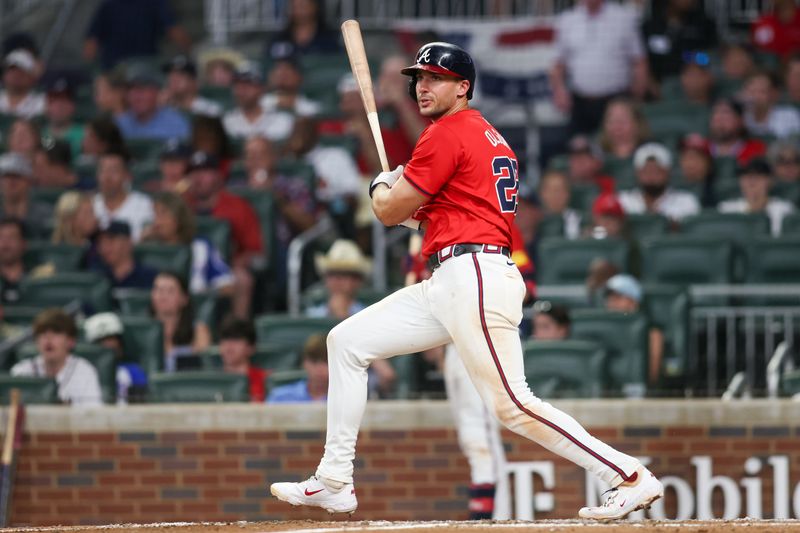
(344, 269)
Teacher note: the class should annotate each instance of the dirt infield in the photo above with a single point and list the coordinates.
(558, 526)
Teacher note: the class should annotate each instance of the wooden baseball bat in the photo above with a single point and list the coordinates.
(354, 44)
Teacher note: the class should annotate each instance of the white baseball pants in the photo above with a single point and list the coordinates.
(475, 301)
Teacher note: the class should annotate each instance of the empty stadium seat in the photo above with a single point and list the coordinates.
(733, 227)
(564, 261)
(199, 387)
(550, 368)
(625, 339)
(686, 260)
(646, 225)
(92, 289)
(790, 383)
(218, 232)
(773, 260)
(165, 257)
(290, 331)
(33, 390)
(143, 339)
(63, 257)
(667, 307)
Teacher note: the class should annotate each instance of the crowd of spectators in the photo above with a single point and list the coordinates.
(153, 151)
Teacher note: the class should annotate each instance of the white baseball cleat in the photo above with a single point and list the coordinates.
(626, 499)
(314, 493)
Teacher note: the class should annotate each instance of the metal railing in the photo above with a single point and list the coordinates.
(226, 17)
(294, 261)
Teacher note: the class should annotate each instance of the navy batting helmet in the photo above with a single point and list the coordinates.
(443, 58)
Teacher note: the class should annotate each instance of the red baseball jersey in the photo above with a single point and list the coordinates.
(469, 173)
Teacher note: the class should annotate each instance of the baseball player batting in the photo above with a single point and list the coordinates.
(461, 185)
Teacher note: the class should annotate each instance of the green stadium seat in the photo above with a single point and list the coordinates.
(559, 162)
(564, 261)
(46, 195)
(217, 231)
(199, 386)
(406, 382)
(787, 191)
(790, 227)
(675, 118)
(550, 226)
(289, 330)
(101, 358)
(583, 196)
(624, 337)
(790, 383)
(646, 225)
(725, 169)
(550, 368)
(144, 172)
(64, 257)
(165, 257)
(318, 294)
(263, 204)
(144, 149)
(143, 339)
(133, 302)
(277, 379)
(684, 260)
(20, 315)
(33, 390)
(93, 290)
(622, 171)
(732, 227)
(773, 260)
(667, 307)
(221, 95)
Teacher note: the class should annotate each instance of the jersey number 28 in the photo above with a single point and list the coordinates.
(504, 169)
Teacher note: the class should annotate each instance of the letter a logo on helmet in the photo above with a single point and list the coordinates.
(442, 58)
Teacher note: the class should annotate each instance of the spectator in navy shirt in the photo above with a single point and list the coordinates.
(145, 118)
(115, 247)
(121, 29)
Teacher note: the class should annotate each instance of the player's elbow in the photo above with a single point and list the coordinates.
(390, 216)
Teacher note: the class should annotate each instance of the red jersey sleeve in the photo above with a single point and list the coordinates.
(434, 160)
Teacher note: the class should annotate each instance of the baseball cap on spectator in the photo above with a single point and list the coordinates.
(606, 204)
(249, 72)
(175, 149)
(12, 164)
(58, 151)
(756, 166)
(625, 285)
(21, 59)
(61, 86)
(347, 84)
(652, 151)
(203, 160)
(180, 63)
(695, 57)
(581, 144)
(98, 327)
(117, 228)
(695, 141)
(143, 77)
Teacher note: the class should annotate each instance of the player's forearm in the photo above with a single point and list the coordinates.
(389, 212)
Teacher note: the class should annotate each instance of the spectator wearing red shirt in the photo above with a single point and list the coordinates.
(208, 196)
(237, 344)
(728, 135)
(778, 32)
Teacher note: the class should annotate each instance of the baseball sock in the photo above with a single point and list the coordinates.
(481, 501)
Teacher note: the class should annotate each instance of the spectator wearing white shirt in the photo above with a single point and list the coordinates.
(20, 74)
(755, 180)
(653, 163)
(115, 200)
(249, 118)
(181, 89)
(55, 334)
(599, 55)
(762, 115)
(283, 85)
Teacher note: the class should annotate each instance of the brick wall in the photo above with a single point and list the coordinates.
(89, 476)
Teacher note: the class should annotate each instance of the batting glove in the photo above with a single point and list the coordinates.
(389, 178)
